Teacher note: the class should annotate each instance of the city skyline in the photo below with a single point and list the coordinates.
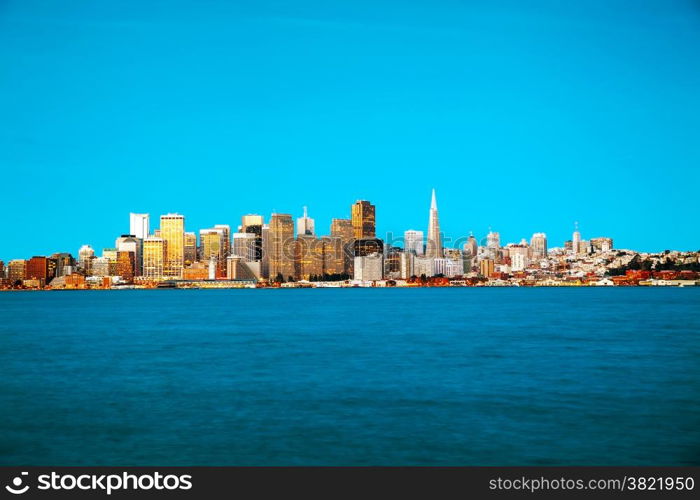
(526, 116)
(138, 225)
(259, 254)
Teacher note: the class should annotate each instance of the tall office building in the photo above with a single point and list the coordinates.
(333, 255)
(139, 225)
(308, 257)
(342, 229)
(244, 246)
(471, 247)
(486, 267)
(413, 242)
(281, 247)
(212, 248)
(129, 243)
(369, 267)
(363, 219)
(493, 246)
(305, 225)
(154, 254)
(172, 231)
(190, 248)
(38, 268)
(126, 264)
(538, 244)
(434, 245)
(16, 270)
(493, 240)
(226, 235)
(64, 263)
(85, 256)
(253, 224)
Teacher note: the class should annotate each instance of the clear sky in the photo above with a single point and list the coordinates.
(524, 115)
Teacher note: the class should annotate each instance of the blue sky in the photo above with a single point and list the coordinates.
(525, 116)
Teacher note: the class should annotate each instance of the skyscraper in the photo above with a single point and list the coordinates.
(129, 243)
(281, 246)
(363, 219)
(154, 250)
(413, 241)
(172, 231)
(471, 247)
(305, 225)
(190, 248)
(434, 247)
(253, 223)
(85, 256)
(211, 245)
(139, 225)
(538, 244)
(226, 238)
(343, 229)
(244, 246)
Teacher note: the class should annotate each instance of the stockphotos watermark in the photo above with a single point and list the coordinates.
(106, 483)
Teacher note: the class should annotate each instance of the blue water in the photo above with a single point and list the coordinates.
(466, 376)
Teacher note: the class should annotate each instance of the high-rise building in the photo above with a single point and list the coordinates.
(245, 246)
(434, 244)
(369, 267)
(308, 257)
(413, 242)
(111, 255)
(471, 247)
(226, 238)
(367, 246)
(154, 254)
(253, 224)
(139, 225)
(363, 219)
(38, 269)
(64, 263)
(407, 259)
(538, 244)
(130, 243)
(281, 247)
(518, 262)
(424, 266)
(16, 270)
(85, 256)
(486, 267)
(126, 264)
(392, 261)
(333, 256)
(101, 266)
(265, 251)
(343, 229)
(493, 240)
(212, 248)
(190, 248)
(305, 225)
(493, 246)
(172, 231)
